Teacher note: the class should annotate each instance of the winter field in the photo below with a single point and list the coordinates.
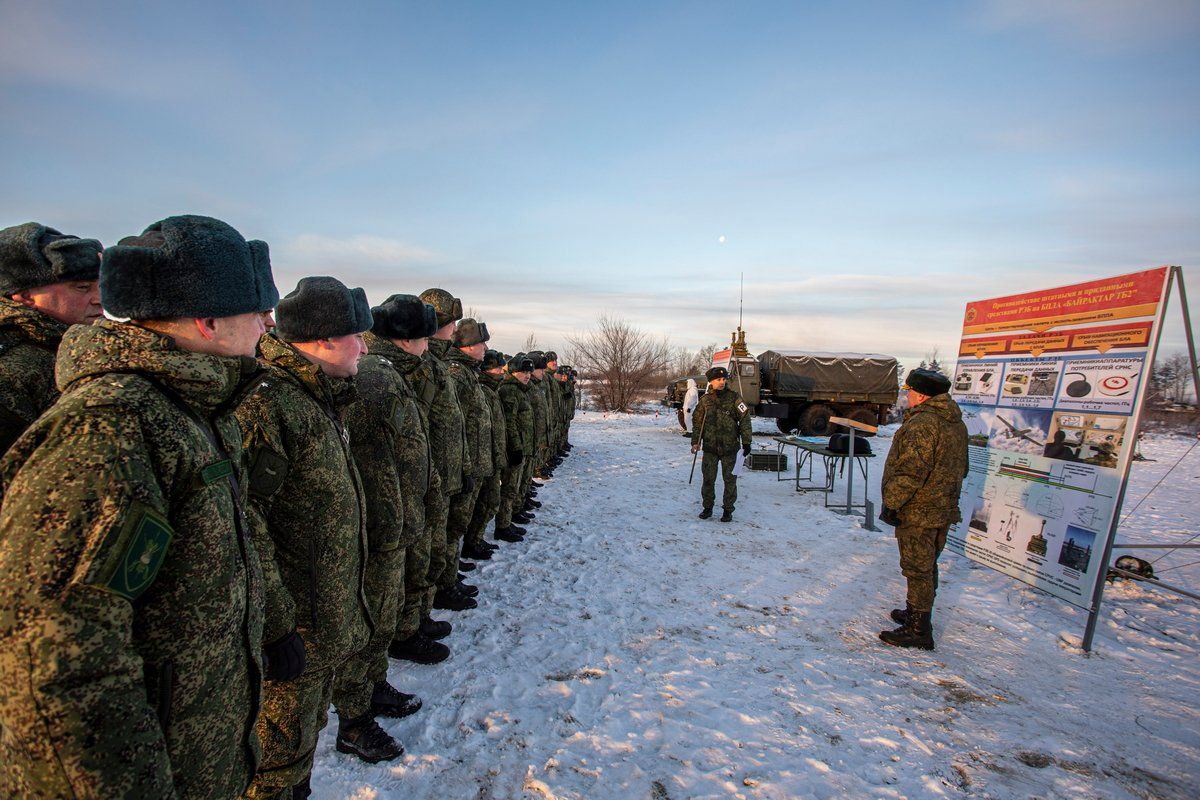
(628, 649)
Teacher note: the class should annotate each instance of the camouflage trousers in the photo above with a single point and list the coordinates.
(708, 489)
(919, 551)
(416, 594)
(487, 504)
(512, 484)
(292, 716)
(384, 585)
(462, 506)
(437, 513)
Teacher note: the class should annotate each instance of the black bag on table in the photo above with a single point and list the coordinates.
(840, 443)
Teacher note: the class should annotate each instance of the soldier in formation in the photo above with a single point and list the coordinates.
(227, 522)
(922, 479)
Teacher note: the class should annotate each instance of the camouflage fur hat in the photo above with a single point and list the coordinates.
(187, 266)
(322, 308)
(551, 356)
(538, 358)
(33, 255)
(469, 332)
(492, 359)
(520, 363)
(448, 307)
(404, 316)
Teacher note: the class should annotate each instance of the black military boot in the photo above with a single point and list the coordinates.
(476, 552)
(303, 789)
(509, 534)
(453, 600)
(706, 513)
(466, 589)
(726, 515)
(435, 628)
(917, 631)
(900, 615)
(536, 486)
(419, 649)
(388, 701)
(466, 566)
(531, 503)
(523, 518)
(363, 737)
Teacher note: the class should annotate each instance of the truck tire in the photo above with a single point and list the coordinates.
(815, 420)
(787, 425)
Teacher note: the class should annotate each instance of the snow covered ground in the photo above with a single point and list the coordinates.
(628, 649)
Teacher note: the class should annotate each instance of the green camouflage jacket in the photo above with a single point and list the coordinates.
(541, 418)
(925, 467)
(447, 426)
(307, 503)
(394, 460)
(131, 619)
(491, 391)
(515, 399)
(464, 372)
(569, 395)
(554, 404)
(724, 420)
(28, 341)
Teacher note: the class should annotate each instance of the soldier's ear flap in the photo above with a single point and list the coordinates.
(130, 291)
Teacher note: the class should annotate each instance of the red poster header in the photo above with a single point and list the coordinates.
(1124, 297)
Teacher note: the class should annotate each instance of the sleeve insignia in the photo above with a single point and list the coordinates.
(136, 556)
(268, 470)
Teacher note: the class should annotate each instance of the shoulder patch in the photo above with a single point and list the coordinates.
(428, 391)
(135, 558)
(742, 408)
(268, 469)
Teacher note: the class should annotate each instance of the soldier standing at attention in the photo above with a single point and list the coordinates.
(451, 456)
(922, 479)
(131, 623)
(464, 360)
(488, 504)
(514, 395)
(48, 282)
(720, 420)
(307, 502)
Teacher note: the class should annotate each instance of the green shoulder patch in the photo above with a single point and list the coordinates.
(138, 552)
(216, 471)
(268, 470)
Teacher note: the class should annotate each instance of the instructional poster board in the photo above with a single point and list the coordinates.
(1051, 384)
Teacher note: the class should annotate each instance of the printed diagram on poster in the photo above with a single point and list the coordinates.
(1050, 384)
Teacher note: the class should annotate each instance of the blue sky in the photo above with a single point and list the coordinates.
(873, 166)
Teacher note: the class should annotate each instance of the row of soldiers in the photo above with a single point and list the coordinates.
(238, 508)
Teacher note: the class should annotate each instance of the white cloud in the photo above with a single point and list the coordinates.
(1105, 25)
(368, 251)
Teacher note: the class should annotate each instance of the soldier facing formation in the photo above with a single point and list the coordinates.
(227, 520)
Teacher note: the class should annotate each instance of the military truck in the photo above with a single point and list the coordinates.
(801, 390)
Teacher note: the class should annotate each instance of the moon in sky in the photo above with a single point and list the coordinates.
(721, 239)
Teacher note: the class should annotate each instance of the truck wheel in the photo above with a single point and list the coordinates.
(787, 425)
(865, 416)
(815, 420)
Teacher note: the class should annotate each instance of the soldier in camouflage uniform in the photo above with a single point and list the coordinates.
(448, 444)
(554, 405)
(721, 419)
(48, 282)
(488, 505)
(566, 376)
(514, 394)
(541, 430)
(131, 656)
(307, 502)
(922, 479)
(464, 359)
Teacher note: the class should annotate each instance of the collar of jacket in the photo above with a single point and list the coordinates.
(333, 392)
(942, 405)
(41, 329)
(524, 387)
(489, 380)
(207, 382)
(441, 348)
(459, 357)
(405, 363)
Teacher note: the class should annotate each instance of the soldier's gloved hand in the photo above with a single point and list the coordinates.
(468, 484)
(284, 657)
(695, 448)
(745, 449)
(516, 458)
(888, 516)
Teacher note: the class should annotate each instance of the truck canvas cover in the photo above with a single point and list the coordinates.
(796, 372)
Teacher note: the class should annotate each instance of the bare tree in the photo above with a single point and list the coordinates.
(531, 343)
(619, 361)
(691, 362)
(932, 359)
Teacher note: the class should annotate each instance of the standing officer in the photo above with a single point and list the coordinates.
(132, 616)
(48, 282)
(307, 501)
(488, 504)
(922, 479)
(465, 359)
(720, 420)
